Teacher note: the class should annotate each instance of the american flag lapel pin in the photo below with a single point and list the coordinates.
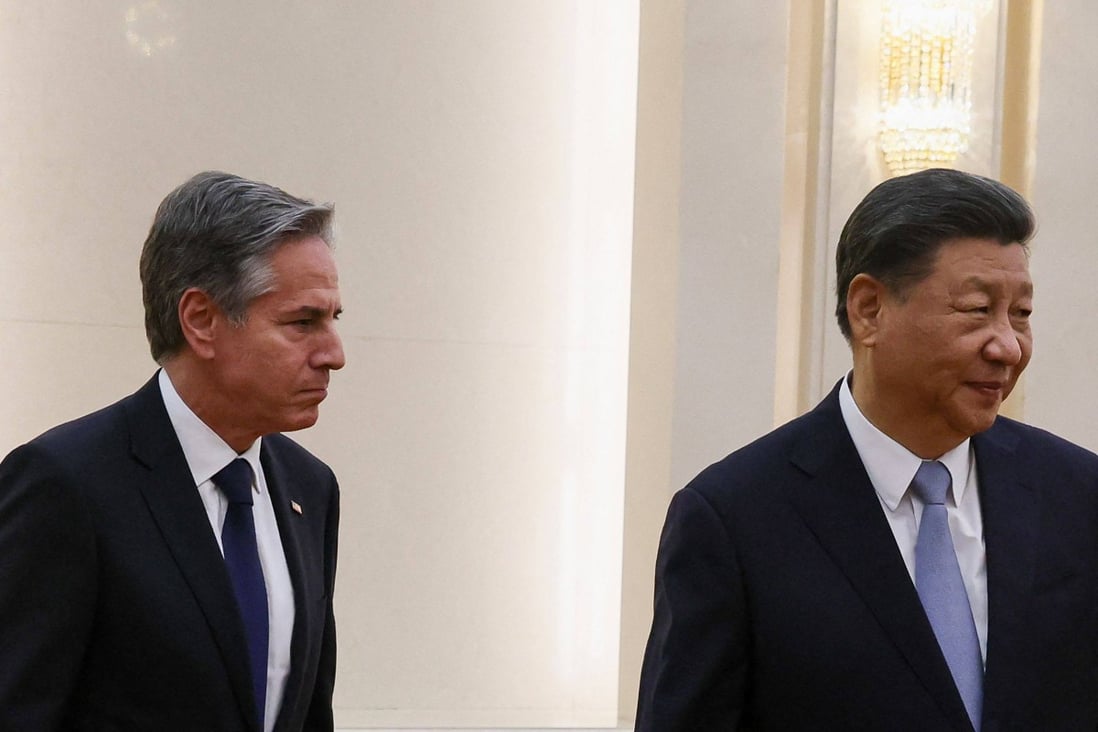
(296, 507)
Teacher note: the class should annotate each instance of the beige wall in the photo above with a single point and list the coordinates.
(653, 322)
(480, 155)
(708, 199)
(1062, 385)
(561, 231)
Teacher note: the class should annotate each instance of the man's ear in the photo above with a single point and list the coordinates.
(864, 299)
(199, 317)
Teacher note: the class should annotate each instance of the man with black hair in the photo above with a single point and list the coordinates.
(901, 557)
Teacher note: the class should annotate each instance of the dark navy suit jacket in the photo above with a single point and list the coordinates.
(116, 611)
(783, 603)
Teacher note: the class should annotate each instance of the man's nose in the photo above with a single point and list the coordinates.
(1005, 344)
(330, 355)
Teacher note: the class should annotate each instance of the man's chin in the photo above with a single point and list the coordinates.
(301, 421)
(980, 422)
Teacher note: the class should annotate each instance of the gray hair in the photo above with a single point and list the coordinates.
(216, 233)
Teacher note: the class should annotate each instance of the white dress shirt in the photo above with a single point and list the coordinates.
(891, 468)
(206, 454)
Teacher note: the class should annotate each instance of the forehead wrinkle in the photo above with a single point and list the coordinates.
(981, 284)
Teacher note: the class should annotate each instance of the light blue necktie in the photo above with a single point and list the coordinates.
(942, 589)
(242, 560)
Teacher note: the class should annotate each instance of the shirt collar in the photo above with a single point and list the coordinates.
(890, 465)
(206, 453)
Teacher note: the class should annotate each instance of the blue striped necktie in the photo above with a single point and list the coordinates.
(242, 560)
(942, 589)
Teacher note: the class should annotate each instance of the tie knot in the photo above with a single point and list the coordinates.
(931, 482)
(235, 481)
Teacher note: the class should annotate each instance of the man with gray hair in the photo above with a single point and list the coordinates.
(168, 562)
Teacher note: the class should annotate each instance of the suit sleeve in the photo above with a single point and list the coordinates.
(695, 667)
(319, 717)
(47, 590)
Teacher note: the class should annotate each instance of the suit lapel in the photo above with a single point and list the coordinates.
(839, 504)
(280, 484)
(178, 512)
(1010, 512)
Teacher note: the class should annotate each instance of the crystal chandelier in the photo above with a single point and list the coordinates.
(926, 81)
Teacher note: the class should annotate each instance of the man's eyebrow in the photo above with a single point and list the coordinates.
(311, 311)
